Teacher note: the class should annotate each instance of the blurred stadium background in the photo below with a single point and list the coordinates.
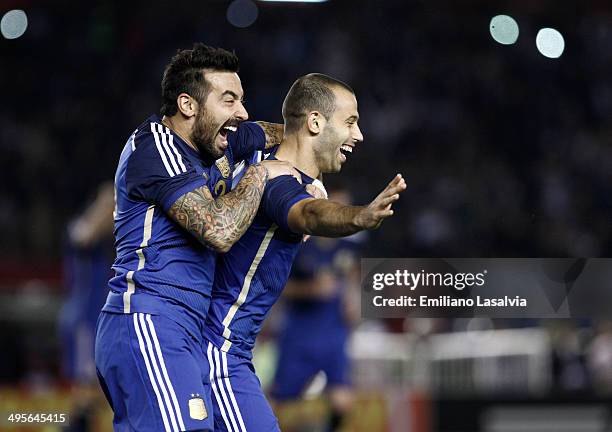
(506, 153)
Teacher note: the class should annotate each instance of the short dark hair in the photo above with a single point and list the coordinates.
(312, 92)
(184, 74)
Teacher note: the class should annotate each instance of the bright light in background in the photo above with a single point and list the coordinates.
(14, 24)
(242, 13)
(550, 43)
(294, 1)
(504, 29)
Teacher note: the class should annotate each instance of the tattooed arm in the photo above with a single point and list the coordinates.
(220, 223)
(274, 133)
(332, 219)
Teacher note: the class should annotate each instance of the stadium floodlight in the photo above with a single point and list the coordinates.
(14, 24)
(504, 29)
(550, 43)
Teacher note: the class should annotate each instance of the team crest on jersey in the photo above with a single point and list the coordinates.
(223, 165)
(197, 409)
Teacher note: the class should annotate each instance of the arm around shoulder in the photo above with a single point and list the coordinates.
(219, 223)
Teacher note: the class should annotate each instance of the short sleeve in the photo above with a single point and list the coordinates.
(157, 173)
(248, 139)
(280, 194)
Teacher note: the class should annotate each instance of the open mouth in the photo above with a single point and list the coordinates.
(227, 128)
(346, 150)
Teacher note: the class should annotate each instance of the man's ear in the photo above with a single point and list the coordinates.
(186, 105)
(315, 122)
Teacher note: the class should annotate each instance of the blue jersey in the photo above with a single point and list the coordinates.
(160, 268)
(251, 276)
(86, 273)
(323, 316)
(308, 321)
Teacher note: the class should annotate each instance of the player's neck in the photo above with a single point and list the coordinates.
(299, 154)
(180, 128)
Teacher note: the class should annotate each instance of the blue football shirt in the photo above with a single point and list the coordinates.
(160, 268)
(321, 317)
(251, 276)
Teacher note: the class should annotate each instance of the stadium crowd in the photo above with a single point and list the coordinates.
(506, 153)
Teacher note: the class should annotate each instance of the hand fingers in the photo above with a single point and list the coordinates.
(395, 190)
(389, 192)
(315, 191)
(383, 214)
(380, 216)
(291, 170)
(396, 180)
(396, 185)
(384, 203)
(387, 201)
(389, 195)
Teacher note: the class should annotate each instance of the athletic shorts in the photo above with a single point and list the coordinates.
(300, 360)
(153, 373)
(239, 403)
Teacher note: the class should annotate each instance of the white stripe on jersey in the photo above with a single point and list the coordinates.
(257, 157)
(164, 141)
(133, 140)
(146, 236)
(169, 169)
(128, 293)
(178, 155)
(245, 287)
(150, 372)
(238, 169)
(213, 384)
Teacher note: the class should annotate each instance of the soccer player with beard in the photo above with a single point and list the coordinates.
(321, 130)
(173, 212)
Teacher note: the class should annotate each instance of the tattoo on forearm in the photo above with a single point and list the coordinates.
(330, 219)
(274, 133)
(220, 223)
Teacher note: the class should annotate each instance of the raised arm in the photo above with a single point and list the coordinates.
(219, 223)
(274, 133)
(330, 219)
(97, 220)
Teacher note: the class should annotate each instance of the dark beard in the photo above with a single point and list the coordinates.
(203, 136)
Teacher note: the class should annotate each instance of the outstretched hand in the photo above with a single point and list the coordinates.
(380, 208)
